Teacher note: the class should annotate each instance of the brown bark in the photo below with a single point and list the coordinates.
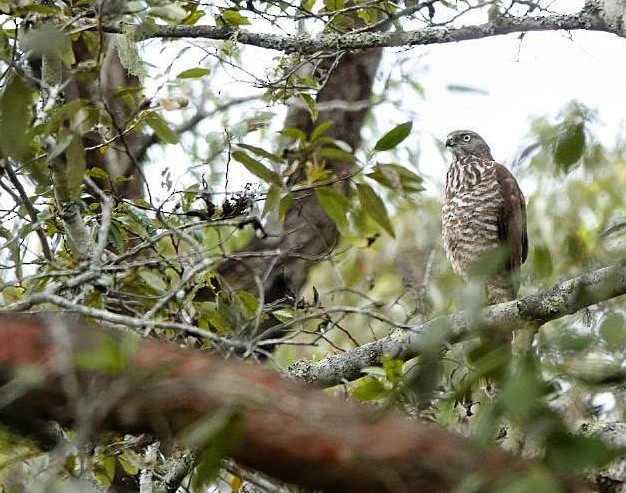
(100, 86)
(125, 155)
(297, 434)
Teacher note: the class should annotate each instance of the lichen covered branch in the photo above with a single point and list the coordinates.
(564, 298)
(590, 18)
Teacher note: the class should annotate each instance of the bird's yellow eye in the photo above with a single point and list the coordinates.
(467, 137)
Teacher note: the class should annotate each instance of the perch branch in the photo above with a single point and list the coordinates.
(564, 298)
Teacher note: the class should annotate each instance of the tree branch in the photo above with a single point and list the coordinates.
(294, 433)
(589, 18)
(564, 298)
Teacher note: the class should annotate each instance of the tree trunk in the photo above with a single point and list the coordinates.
(307, 233)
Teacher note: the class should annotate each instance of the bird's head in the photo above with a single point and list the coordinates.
(467, 143)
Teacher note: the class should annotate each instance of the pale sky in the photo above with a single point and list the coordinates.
(535, 76)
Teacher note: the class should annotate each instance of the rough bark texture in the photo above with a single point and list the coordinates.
(294, 433)
(101, 86)
(307, 233)
(126, 153)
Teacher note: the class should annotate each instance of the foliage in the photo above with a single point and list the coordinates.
(73, 239)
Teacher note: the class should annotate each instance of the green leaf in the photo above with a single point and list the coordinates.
(234, 18)
(169, 12)
(321, 130)
(161, 128)
(335, 205)
(261, 152)
(12, 294)
(126, 463)
(293, 133)
(613, 330)
(257, 168)
(336, 154)
(76, 164)
(332, 5)
(68, 158)
(284, 205)
(542, 261)
(97, 173)
(219, 322)
(374, 206)
(392, 138)
(574, 453)
(311, 106)
(153, 280)
(5, 47)
(396, 177)
(104, 469)
(138, 216)
(272, 199)
(193, 73)
(193, 18)
(368, 388)
(247, 302)
(58, 116)
(93, 299)
(16, 112)
(216, 435)
(62, 143)
(393, 369)
(117, 237)
(570, 145)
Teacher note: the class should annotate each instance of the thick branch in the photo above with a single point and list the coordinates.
(564, 298)
(297, 434)
(588, 19)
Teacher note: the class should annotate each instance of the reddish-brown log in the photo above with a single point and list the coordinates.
(298, 434)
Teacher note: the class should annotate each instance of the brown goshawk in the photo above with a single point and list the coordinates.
(484, 215)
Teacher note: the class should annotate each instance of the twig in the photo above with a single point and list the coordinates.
(106, 205)
(30, 209)
(118, 319)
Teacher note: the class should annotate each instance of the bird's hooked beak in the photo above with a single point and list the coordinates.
(450, 141)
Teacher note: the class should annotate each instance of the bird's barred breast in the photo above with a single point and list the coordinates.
(470, 224)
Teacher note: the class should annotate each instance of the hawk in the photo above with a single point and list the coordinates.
(484, 213)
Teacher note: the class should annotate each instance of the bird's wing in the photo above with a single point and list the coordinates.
(512, 218)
